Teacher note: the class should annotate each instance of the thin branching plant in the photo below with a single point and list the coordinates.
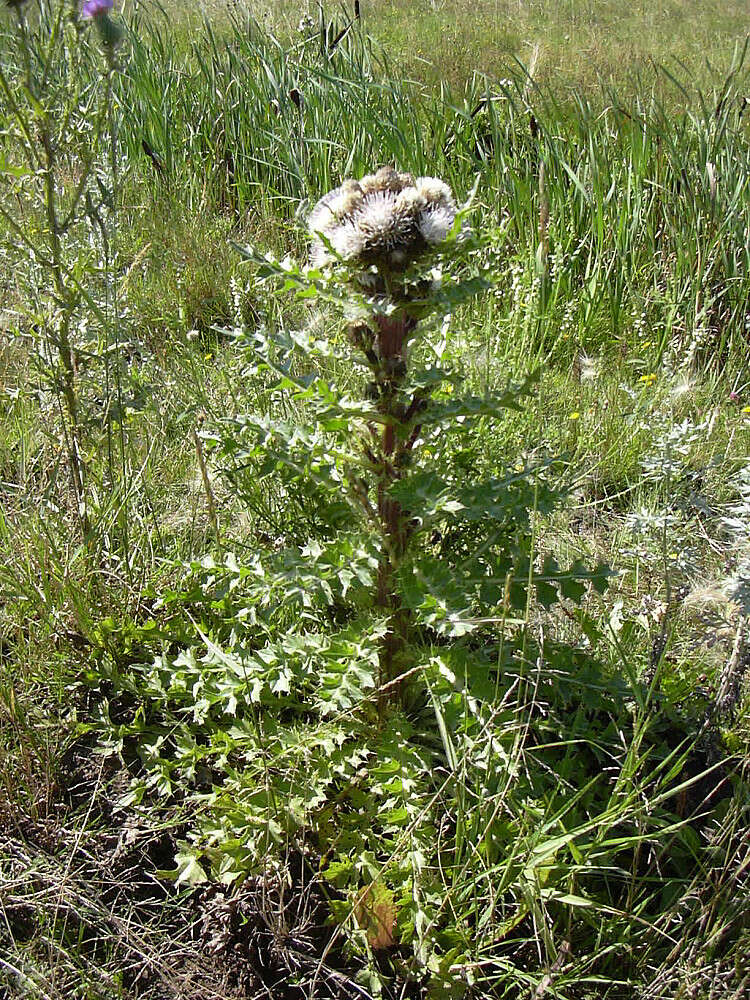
(58, 202)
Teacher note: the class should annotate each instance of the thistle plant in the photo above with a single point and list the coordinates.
(380, 226)
(393, 252)
(333, 680)
(333, 671)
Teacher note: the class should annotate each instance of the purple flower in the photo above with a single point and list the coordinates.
(95, 8)
(110, 34)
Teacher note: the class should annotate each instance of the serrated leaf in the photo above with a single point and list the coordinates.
(490, 405)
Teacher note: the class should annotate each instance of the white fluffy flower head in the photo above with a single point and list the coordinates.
(386, 219)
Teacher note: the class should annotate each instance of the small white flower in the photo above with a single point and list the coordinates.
(435, 223)
(434, 190)
(347, 240)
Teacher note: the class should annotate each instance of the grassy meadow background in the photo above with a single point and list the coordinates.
(610, 148)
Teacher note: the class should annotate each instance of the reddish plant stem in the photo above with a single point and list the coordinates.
(391, 337)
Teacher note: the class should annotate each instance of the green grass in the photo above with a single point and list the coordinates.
(602, 851)
(574, 45)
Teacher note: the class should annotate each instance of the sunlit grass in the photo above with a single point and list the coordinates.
(572, 45)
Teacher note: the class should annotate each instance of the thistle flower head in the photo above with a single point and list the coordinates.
(387, 219)
(95, 8)
(110, 33)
